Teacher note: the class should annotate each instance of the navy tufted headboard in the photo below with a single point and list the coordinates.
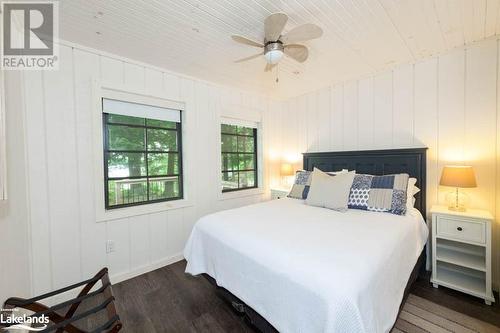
(376, 162)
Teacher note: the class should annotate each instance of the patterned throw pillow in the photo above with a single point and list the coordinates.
(301, 185)
(379, 193)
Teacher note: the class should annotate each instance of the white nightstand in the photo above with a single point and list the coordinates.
(278, 193)
(461, 251)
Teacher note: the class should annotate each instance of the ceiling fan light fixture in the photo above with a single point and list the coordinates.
(276, 44)
(273, 52)
(273, 56)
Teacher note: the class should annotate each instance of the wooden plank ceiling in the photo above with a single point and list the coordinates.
(360, 36)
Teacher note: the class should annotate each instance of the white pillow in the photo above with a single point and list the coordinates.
(330, 191)
(337, 172)
(411, 190)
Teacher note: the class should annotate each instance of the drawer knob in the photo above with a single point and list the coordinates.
(459, 228)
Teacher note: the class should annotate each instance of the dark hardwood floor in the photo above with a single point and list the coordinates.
(168, 300)
(455, 300)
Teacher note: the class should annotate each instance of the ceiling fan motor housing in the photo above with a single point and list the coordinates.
(273, 52)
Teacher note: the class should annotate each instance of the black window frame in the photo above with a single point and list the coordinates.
(254, 153)
(145, 151)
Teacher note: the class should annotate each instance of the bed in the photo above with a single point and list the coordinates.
(296, 268)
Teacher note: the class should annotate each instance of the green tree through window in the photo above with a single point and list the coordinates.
(143, 160)
(238, 158)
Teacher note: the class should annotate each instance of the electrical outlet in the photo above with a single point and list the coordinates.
(110, 246)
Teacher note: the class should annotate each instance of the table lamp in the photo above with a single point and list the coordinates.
(458, 177)
(286, 171)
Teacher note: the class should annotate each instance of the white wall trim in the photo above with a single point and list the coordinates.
(140, 97)
(117, 278)
(250, 121)
(28, 186)
(101, 90)
(3, 137)
(239, 122)
(234, 111)
(242, 193)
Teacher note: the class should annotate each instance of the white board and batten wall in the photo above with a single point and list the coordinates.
(68, 244)
(15, 277)
(3, 157)
(447, 103)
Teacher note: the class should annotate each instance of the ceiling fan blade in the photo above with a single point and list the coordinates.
(269, 67)
(273, 26)
(246, 41)
(249, 58)
(302, 33)
(297, 52)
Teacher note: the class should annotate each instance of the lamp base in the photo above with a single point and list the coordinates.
(286, 181)
(457, 201)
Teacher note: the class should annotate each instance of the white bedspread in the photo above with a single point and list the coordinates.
(310, 269)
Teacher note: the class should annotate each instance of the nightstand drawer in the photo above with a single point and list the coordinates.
(461, 229)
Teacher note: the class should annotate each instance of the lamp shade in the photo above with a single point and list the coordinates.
(286, 169)
(458, 176)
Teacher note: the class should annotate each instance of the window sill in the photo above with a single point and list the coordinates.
(240, 194)
(104, 215)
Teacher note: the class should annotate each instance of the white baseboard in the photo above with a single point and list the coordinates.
(117, 278)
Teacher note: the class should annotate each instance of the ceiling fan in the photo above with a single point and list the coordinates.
(275, 44)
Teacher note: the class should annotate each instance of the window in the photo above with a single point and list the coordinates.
(239, 157)
(142, 155)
